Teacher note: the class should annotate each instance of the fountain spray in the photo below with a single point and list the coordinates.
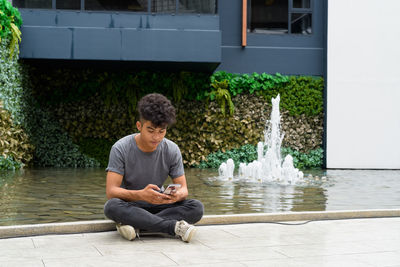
(269, 166)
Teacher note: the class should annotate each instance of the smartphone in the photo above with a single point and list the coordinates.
(171, 188)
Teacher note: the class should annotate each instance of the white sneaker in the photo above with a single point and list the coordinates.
(184, 230)
(126, 231)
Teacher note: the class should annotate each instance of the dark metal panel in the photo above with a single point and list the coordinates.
(230, 14)
(177, 46)
(46, 42)
(91, 43)
(128, 20)
(97, 43)
(280, 40)
(121, 36)
(83, 19)
(289, 61)
(34, 17)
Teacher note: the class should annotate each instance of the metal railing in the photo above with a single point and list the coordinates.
(150, 6)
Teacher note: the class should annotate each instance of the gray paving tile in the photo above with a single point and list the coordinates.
(59, 241)
(130, 259)
(270, 229)
(217, 264)
(175, 245)
(223, 255)
(325, 249)
(389, 245)
(112, 237)
(380, 258)
(47, 253)
(143, 245)
(212, 232)
(86, 239)
(325, 261)
(19, 263)
(245, 242)
(17, 243)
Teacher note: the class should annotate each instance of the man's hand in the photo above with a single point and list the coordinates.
(151, 195)
(179, 194)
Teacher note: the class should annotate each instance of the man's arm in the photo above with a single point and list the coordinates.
(181, 193)
(148, 194)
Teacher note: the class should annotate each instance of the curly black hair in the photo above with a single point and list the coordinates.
(157, 109)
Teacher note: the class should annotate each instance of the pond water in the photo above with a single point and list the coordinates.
(61, 195)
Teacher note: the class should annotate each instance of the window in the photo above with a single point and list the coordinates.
(301, 3)
(71, 4)
(117, 5)
(154, 6)
(32, 3)
(280, 16)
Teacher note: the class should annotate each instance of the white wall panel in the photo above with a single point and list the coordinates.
(363, 86)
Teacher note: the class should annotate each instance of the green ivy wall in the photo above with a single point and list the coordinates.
(96, 108)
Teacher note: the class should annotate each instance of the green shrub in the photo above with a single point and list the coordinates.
(16, 149)
(14, 141)
(310, 160)
(245, 154)
(53, 87)
(303, 95)
(221, 95)
(299, 94)
(9, 164)
(245, 83)
(10, 21)
(99, 149)
(11, 92)
(53, 147)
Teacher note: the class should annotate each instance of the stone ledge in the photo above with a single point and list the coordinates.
(108, 225)
(298, 216)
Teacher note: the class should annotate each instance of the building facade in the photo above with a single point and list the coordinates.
(285, 36)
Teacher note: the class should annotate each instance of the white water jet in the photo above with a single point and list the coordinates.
(225, 170)
(269, 166)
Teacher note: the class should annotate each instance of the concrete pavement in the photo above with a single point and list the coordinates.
(351, 242)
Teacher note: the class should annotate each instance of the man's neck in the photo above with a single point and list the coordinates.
(142, 146)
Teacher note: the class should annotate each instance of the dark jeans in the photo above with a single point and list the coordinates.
(155, 218)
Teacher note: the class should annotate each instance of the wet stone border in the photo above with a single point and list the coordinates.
(108, 225)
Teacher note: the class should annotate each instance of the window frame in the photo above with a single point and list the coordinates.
(291, 10)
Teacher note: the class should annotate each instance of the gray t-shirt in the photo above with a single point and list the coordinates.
(140, 168)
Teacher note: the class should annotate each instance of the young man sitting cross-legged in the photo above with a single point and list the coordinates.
(139, 164)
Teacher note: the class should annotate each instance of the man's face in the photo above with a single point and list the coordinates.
(150, 135)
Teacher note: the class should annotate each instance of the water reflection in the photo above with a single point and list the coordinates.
(60, 195)
(230, 197)
(51, 195)
(309, 199)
